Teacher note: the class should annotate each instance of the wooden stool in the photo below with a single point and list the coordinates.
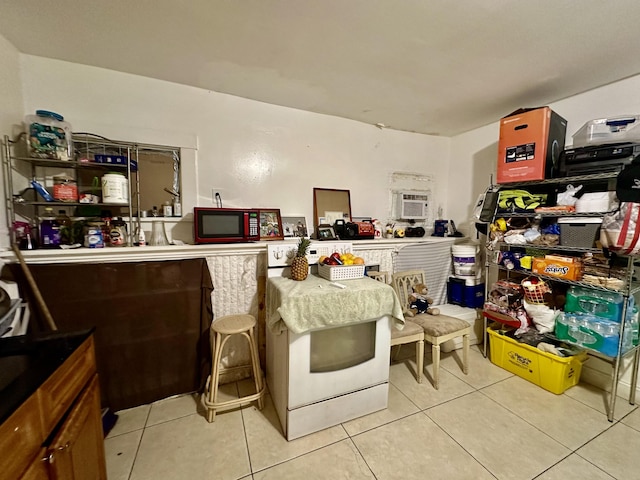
(221, 330)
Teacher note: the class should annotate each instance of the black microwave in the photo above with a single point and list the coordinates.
(225, 225)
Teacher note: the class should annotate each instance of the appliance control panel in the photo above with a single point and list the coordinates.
(280, 254)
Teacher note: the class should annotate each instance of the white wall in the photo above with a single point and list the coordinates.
(256, 154)
(11, 110)
(474, 154)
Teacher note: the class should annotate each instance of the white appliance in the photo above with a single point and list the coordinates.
(15, 319)
(324, 377)
(412, 205)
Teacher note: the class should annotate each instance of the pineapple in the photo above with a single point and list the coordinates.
(300, 264)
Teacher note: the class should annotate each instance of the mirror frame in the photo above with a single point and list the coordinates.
(330, 200)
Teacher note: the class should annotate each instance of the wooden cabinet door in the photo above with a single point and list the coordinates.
(77, 451)
(38, 469)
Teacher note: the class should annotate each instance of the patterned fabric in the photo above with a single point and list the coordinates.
(314, 303)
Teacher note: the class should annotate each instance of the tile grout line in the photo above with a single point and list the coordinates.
(135, 457)
(424, 412)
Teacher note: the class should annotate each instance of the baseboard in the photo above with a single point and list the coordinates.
(602, 381)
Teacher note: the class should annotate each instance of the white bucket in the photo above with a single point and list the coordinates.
(115, 188)
(465, 260)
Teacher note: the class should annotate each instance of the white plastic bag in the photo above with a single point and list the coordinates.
(568, 197)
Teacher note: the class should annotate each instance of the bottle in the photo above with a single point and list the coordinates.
(106, 231)
(141, 239)
(49, 230)
(24, 233)
(167, 209)
(177, 207)
(66, 234)
(154, 212)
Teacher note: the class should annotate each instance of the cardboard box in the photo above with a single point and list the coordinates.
(531, 141)
(557, 268)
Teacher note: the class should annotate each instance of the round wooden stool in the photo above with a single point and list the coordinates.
(221, 330)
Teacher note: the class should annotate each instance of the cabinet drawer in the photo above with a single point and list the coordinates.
(60, 390)
(21, 437)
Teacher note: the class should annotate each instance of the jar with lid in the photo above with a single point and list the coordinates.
(115, 188)
(49, 136)
(65, 189)
(118, 233)
(167, 209)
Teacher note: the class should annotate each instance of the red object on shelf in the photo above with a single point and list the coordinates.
(502, 318)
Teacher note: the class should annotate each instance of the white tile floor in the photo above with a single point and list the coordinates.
(486, 425)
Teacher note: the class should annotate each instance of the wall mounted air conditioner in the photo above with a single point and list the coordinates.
(411, 205)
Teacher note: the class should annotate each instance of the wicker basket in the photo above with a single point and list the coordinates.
(340, 272)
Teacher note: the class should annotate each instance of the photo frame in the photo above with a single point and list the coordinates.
(294, 227)
(270, 224)
(326, 232)
(329, 205)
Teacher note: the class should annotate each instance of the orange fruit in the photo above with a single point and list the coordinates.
(358, 261)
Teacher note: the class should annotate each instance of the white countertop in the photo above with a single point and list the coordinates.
(175, 252)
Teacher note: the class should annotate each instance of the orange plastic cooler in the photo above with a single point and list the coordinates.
(530, 144)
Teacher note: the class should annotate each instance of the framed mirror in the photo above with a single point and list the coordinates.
(330, 205)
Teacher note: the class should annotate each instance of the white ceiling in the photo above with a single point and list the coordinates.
(439, 67)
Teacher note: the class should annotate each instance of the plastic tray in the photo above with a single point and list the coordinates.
(337, 272)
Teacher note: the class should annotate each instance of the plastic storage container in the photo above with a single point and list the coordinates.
(463, 294)
(608, 130)
(465, 260)
(469, 315)
(115, 188)
(49, 136)
(551, 372)
(581, 232)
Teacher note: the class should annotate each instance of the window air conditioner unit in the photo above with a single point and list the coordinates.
(412, 205)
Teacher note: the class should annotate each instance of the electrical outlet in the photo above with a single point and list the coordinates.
(218, 195)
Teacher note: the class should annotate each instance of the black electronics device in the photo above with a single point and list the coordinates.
(612, 157)
(354, 230)
(414, 232)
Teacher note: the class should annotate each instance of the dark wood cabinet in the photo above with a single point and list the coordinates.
(77, 450)
(57, 432)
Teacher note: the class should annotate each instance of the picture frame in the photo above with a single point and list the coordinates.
(270, 224)
(295, 227)
(329, 205)
(326, 232)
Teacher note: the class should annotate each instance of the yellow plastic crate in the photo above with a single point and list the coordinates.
(549, 371)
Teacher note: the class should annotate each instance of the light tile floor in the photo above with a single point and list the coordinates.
(489, 424)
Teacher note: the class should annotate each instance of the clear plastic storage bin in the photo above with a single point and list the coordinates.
(608, 130)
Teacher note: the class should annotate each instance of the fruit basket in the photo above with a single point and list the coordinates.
(340, 272)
